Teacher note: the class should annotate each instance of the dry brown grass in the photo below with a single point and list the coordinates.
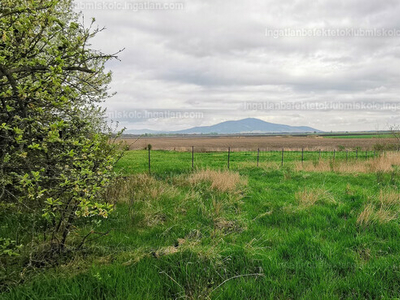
(372, 215)
(118, 190)
(223, 181)
(309, 196)
(384, 215)
(154, 202)
(383, 163)
(382, 210)
(150, 193)
(367, 215)
(143, 187)
(389, 198)
(218, 207)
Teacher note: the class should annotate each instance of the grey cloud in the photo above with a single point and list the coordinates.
(214, 56)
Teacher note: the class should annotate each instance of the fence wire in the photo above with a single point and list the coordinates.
(161, 161)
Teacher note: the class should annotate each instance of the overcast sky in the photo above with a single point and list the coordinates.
(301, 63)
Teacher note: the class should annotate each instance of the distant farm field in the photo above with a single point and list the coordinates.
(220, 143)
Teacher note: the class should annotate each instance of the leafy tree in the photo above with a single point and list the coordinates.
(56, 157)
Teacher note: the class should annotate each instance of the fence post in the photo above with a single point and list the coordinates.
(319, 154)
(356, 153)
(229, 155)
(302, 156)
(334, 154)
(283, 150)
(374, 153)
(347, 155)
(258, 156)
(192, 157)
(366, 154)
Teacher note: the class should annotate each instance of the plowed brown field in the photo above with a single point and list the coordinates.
(247, 143)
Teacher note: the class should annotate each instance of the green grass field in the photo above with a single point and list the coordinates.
(360, 136)
(270, 232)
(177, 162)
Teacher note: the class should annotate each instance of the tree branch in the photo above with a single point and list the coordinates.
(5, 12)
(46, 68)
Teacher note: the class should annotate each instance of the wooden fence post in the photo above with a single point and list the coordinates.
(258, 156)
(334, 154)
(302, 156)
(283, 150)
(319, 154)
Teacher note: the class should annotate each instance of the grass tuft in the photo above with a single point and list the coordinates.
(310, 196)
(383, 209)
(223, 181)
(367, 215)
(389, 198)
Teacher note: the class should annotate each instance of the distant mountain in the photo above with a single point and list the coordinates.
(249, 125)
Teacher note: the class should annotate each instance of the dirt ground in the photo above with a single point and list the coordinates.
(248, 143)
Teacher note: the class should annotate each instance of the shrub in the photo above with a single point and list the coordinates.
(55, 152)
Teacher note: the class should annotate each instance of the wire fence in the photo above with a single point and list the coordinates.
(154, 161)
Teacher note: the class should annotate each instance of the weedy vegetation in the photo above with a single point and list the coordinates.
(319, 230)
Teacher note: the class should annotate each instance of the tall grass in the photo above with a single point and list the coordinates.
(382, 209)
(309, 197)
(222, 181)
(382, 163)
